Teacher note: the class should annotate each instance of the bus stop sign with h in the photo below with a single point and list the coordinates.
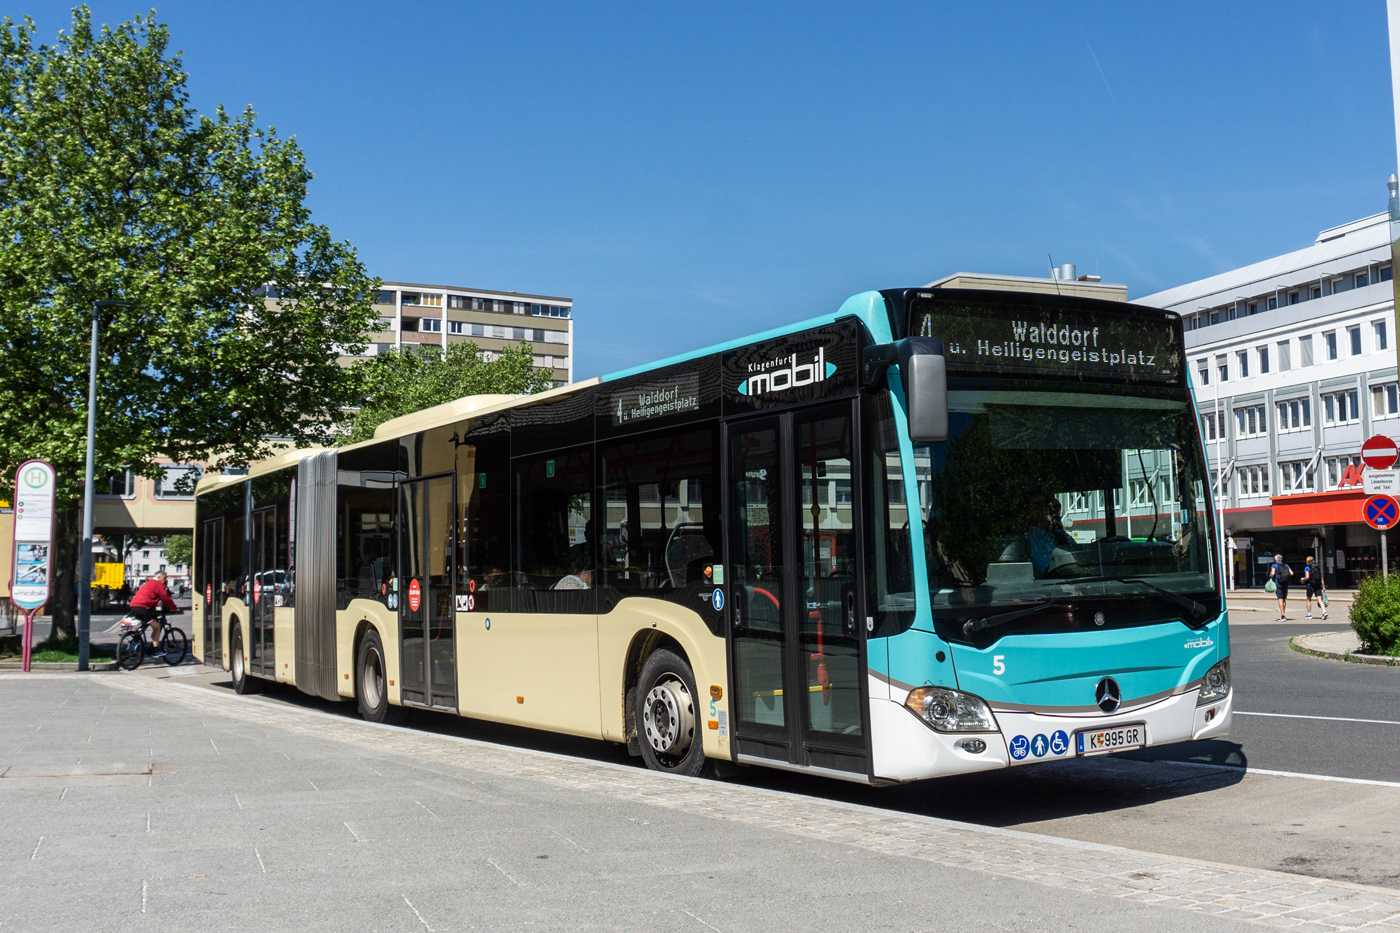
(35, 485)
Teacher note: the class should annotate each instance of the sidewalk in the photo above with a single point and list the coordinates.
(138, 796)
(1339, 646)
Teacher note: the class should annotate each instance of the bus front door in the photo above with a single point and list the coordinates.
(427, 616)
(794, 557)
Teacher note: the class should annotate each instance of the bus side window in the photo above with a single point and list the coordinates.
(661, 515)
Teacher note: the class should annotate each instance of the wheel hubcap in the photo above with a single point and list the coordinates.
(371, 680)
(668, 718)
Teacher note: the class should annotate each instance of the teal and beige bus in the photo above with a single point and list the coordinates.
(937, 531)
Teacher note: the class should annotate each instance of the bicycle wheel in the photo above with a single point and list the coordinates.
(130, 651)
(175, 645)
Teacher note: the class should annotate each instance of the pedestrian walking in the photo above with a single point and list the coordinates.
(1316, 587)
(1279, 575)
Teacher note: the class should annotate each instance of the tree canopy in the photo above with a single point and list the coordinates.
(113, 187)
(409, 380)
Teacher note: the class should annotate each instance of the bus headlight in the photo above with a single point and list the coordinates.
(1215, 686)
(948, 710)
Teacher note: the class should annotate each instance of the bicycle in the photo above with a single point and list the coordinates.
(131, 649)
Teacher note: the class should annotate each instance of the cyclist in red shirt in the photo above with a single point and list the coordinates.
(148, 601)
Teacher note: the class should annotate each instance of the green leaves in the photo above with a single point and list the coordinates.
(410, 380)
(111, 186)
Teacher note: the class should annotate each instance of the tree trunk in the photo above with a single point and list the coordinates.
(63, 598)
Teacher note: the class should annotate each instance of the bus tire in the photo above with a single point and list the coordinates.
(243, 682)
(667, 714)
(371, 690)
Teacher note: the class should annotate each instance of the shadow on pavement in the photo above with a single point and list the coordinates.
(1008, 797)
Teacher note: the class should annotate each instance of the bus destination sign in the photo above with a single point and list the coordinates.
(1044, 341)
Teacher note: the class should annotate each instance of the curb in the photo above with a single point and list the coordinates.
(57, 666)
(1378, 659)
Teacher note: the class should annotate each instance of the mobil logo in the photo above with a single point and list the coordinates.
(415, 595)
(789, 372)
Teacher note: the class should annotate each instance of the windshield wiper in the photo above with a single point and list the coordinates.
(1185, 602)
(973, 626)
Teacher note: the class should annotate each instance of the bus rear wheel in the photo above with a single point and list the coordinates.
(667, 716)
(371, 690)
(243, 682)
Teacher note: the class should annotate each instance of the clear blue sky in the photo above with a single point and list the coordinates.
(689, 174)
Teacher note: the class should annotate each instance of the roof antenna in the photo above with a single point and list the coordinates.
(1053, 276)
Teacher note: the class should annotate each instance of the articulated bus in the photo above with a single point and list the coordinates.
(938, 531)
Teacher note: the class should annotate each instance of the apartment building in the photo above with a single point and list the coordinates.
(1293, 361)
(435, 315)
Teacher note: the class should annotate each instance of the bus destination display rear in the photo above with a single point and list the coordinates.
(1043, 341)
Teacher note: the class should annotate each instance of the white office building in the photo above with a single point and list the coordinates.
(1293, 360)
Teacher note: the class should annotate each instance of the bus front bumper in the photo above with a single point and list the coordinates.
(907, 750)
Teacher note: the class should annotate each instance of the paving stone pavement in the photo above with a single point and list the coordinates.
(1088, 873)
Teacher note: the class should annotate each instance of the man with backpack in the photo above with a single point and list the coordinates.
(1316, 589)
(1279, 575)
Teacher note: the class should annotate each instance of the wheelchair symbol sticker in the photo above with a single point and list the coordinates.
(1059, 743)
(1020, 747)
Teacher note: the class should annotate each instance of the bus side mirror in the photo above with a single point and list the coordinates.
(925, 373)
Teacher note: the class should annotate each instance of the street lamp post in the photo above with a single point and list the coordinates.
(85, 558)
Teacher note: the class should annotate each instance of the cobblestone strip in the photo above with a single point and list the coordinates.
(1273, 898)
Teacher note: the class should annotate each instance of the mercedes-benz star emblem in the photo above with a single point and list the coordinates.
(1107, 695)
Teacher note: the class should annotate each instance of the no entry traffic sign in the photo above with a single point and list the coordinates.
(1379, 452)
(1380, 512)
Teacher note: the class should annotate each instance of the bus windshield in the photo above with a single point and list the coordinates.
(1071, 499)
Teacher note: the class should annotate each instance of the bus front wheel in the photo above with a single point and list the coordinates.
(667, 716)
(371, 682)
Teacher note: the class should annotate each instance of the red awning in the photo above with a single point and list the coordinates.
(1339, 507)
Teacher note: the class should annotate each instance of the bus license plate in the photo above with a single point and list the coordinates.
(1116, 739)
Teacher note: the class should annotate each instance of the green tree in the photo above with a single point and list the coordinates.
(179, 550)
(113, 187)
(409, 380)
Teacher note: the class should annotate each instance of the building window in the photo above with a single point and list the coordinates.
(1341, 407)
(1383, 401)
(145, 555)
(1285, 359)
(1337, 469)
(1253, 307)
(1203, 368)
(430, 325)
(1294, 415)
(1273, 302)
(1251, 421)
(1305, 354)
(1329, 344)
(1222, 367)
(1243, 357)
(1315, 291)
(1293, 297)
(118, 484)
(1378, 335)
(454, 327)
(1383, 274)
(1294, 476)
(386, 298)
(1354, 337)
(1361, 280)
(145, 568)
(423, 299)
(1213, 425)
(457, 301)
(179, 481)
(1263, 361)
(1254, 480)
